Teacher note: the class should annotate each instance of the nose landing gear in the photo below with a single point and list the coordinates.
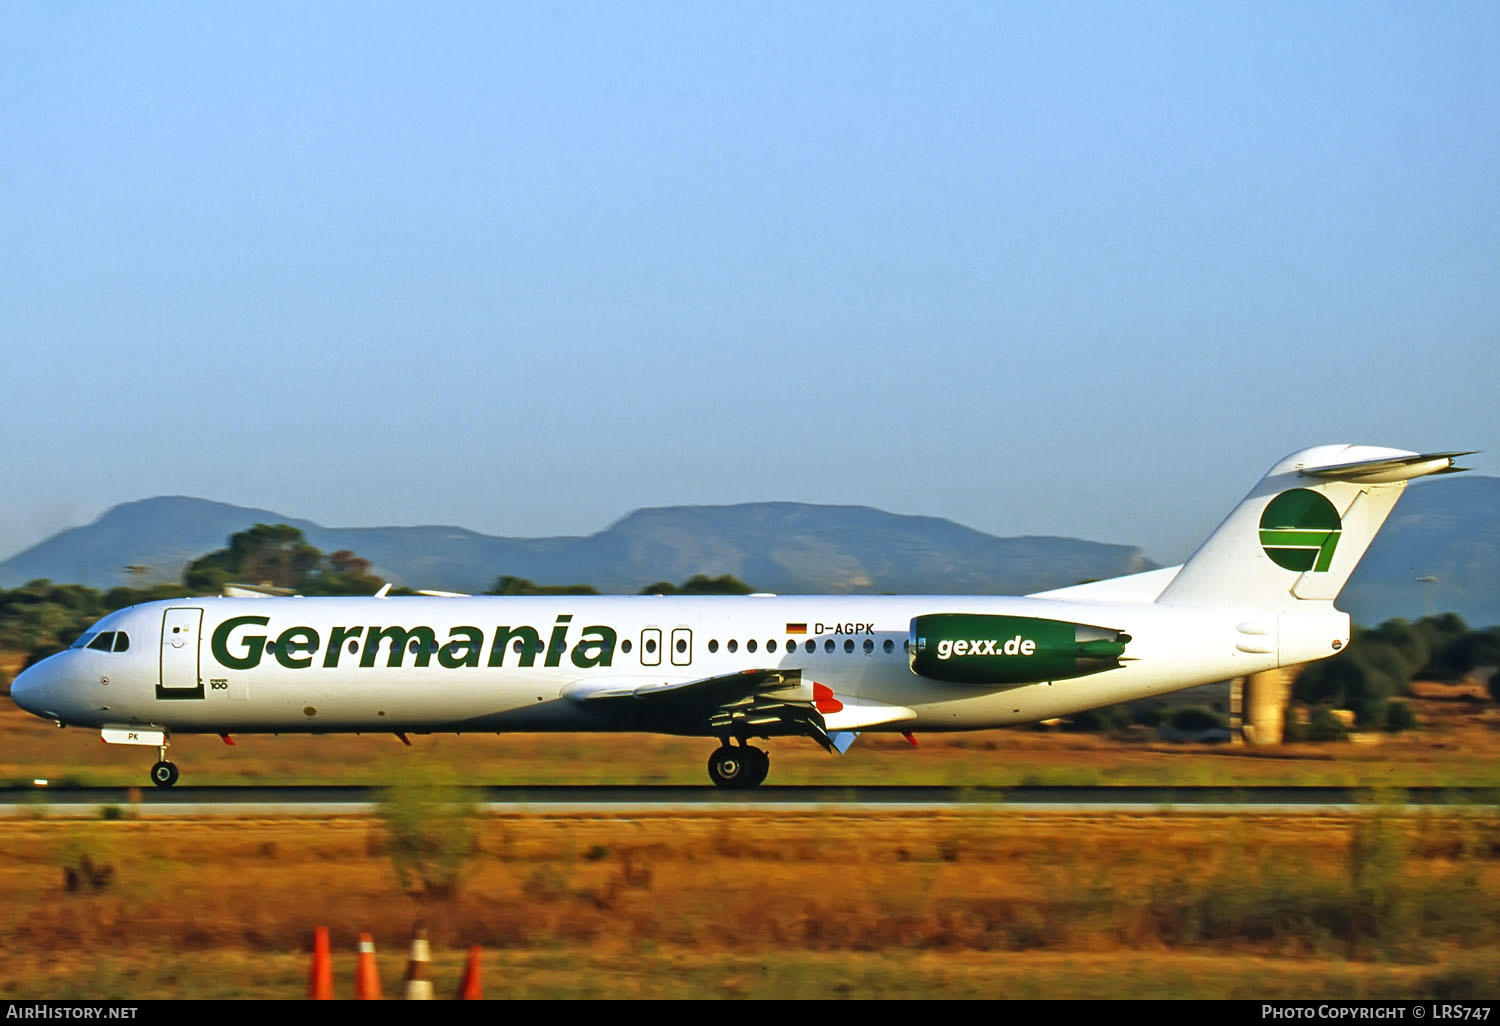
(738, 767)
(163, 773)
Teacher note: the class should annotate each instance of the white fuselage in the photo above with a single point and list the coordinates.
(232, 665)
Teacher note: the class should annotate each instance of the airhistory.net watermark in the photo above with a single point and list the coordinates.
(53, 1010)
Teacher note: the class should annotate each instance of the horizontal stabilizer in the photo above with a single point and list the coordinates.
(1390, 469)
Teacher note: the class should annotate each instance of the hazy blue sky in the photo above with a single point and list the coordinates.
(1075, 268)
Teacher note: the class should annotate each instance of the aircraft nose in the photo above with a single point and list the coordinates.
(29, 690)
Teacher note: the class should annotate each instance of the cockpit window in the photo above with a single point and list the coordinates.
(122, 641)
(83, 641)
(103, 642)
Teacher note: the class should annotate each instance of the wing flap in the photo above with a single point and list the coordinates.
(760, 702)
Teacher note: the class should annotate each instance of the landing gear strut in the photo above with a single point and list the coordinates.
(164, 773)
(738, 766)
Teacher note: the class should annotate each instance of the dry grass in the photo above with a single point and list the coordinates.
(977, 903)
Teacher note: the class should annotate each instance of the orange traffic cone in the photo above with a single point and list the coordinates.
(366, 976)
(418, 979)
(468, 989)
(320, 981)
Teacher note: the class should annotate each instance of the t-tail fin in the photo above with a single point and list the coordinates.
(1301, 531)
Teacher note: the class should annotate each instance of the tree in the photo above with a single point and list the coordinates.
(41, 618)
(341, 573)
(1408, 641)
(266, 554)
(700, 584)
(506, 584)
(1443, 632)
(278, 555)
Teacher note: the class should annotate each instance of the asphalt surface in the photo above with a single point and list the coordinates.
(328, 800)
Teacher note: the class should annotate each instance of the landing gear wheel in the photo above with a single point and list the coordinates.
(760, 765)
(728, 767)
(738, 766)
(164, 774)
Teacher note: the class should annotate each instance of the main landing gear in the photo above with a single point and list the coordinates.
(164, 773)
(738, 766)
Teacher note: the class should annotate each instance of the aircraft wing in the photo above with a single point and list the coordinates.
(756, 703)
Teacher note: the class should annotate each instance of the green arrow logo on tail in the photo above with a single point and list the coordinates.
(1299, 530)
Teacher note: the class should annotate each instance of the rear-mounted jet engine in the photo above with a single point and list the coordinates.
(976, 648)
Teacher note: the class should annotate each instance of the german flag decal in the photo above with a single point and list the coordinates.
(796, 628)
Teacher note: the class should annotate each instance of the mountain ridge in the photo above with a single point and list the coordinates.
(1447, 529)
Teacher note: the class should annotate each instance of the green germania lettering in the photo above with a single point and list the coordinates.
(559, 643)
(294, 638)
(530, 644)
(237, 645)
(400, 639)
(595, 648)
(336, 643)
(253, 644)
(462, 651)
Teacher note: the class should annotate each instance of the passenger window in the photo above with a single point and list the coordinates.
(771, 645)
(848, 644)
(103, 642)
(812, 644)
(713, 645)
(869, 646)
(733, 646)
(122, 641)
(750, 645)
(625, 646)
(889, 646)
(828, 645)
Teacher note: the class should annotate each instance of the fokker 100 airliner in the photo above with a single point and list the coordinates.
(1256, 595)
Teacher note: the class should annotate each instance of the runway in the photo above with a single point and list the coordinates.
(294, 800)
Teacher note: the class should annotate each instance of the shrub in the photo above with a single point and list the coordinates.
(1399, 717)
(1110, 717)
(1323, 725)
(1192, 718)
(429, 833)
